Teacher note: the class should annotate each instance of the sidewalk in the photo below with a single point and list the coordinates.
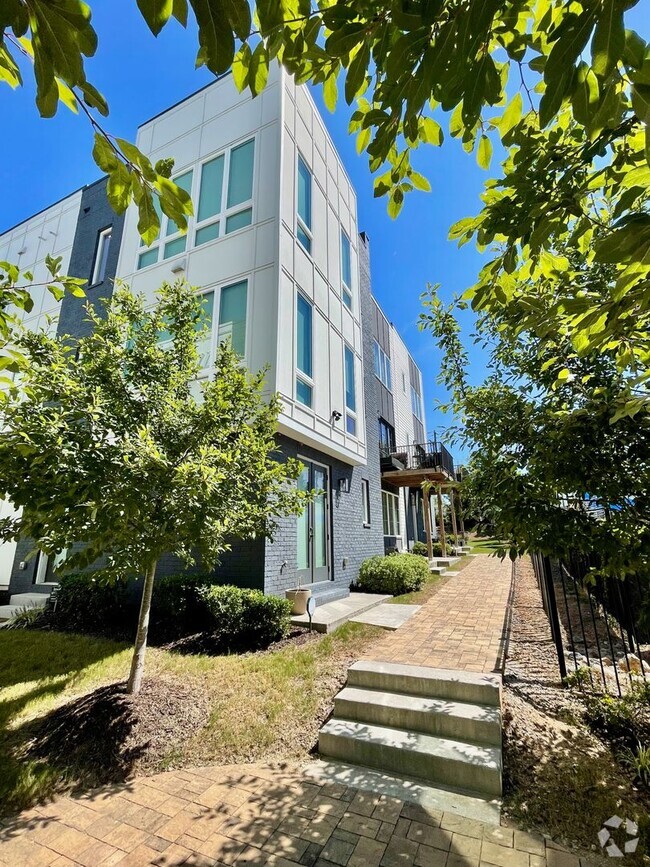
(463, 627)
(263, 816)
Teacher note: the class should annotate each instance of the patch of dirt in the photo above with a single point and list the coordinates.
(108, 735)
(559, 778)
(203, 643)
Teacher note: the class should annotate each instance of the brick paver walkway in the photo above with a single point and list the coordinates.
(462, 627)
(262, 816)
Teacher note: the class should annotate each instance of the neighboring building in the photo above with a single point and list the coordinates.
(275, 250)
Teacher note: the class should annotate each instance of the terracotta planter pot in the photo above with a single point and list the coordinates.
(299, 600)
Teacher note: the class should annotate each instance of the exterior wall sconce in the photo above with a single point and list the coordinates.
(336, 416)
(179, 266)
(344, 486)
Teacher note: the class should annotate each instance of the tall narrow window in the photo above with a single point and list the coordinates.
(232, 316)
(149, 255)
(350, 393)
(365, 501)
(304, 342)
(211, 191)
(382, 365)
(240, 186)
(416, 404)
(303, 228)
(101, 255)
(346, 270)
(178, 243)
(390, 509)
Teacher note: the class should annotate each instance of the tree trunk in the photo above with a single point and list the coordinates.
(441, 518)
(427, 521)
(137, 663)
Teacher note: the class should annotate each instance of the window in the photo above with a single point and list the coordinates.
(403, 382)
(303, 227)
(390, 509)
(225, 204)
(382, 366)
(350, 393)
(416, 403)
(232, 316)
(386, 437)
(365, 501)
(346, 270)
(101, 255)
(304, 317)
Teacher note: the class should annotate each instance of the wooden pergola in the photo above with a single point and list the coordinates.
(428, 480)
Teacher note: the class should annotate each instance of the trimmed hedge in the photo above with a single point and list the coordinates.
(395, 574)
(420, 549)
(245, 619)
(177, 609)
(84, 604)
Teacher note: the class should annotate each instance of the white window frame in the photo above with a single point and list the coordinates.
(390, 514)
(299, 220)
(221, 217)
(301, 374)
(100, 246)
(346, 291)
(384, 375)
(350, 413)
(365, 502)
(416, 403)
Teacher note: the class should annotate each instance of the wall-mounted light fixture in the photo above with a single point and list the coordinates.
(336, 415)
(344, 485)
(179, 266)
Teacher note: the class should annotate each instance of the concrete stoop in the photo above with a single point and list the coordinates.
(441, 727)
(19, 601)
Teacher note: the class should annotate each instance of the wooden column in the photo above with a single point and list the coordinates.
(460, 516)
(454, 528)
(441, 518)
(427, 520)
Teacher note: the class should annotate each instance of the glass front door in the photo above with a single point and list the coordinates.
(313, 526)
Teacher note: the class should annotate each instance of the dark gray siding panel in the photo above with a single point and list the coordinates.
(385, 406)
(414, 375)
(418, 429)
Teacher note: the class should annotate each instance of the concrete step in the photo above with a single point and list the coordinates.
(29, 600)
(445, 561)
(437, 760)
(463, 721)
(427, 682)
(331, 615)
(437, 570)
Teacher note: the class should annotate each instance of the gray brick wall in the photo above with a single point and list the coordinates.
(95, 214)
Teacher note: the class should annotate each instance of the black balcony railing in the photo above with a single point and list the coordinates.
(430, 455)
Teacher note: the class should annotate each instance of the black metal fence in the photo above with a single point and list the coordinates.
(595, 623)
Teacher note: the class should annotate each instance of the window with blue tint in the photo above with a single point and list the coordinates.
(173, 248)
(416, 403)
(232, 316)
(347, 298)
(211, 190)
(304, 317)
(346, 266)
(148, 257)
(303, 228)
(238, 221)
(350, 388)
(240, 177)
(351, 424)
(183, 181)
(206, 233)
(304, 392)
(382, 365)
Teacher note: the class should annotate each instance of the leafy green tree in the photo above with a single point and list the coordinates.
(112, 450)
(564, 86)
(551, 433)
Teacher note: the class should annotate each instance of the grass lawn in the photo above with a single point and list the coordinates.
(484, 545)
(260, 706)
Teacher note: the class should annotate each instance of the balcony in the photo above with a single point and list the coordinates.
(408, 466)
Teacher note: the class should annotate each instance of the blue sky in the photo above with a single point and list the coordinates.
(46, 159)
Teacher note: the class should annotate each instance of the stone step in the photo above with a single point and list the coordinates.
(445, 561)
(434, 759)
(463, 721)
(427, 682)
(437, 570)
(29, 600)
(331, 615)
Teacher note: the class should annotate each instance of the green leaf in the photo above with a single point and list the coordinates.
(148, 220)
(641, 101)
(179, 11)
(216, 39)
(238, 13)
(608, 43)
(586, 95)
(512, 115)
(330, 92)
(104, 155)
(431, 131)
(635, 49)
(355, 76)
(647, 144)
(420, 182)
(156, 13)
(343, 40)
(94, 98)
(118, 188)
(395, 203)
(259, 69)
(241, 66)
(484, 152)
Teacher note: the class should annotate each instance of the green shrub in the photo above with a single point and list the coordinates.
(85, 604)
(177, 609)
(245, 619)
(420, 548)
(27, 618)
(397, 574)
(437, 549)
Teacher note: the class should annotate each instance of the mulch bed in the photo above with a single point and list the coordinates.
(559, 778)
(108, 735)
